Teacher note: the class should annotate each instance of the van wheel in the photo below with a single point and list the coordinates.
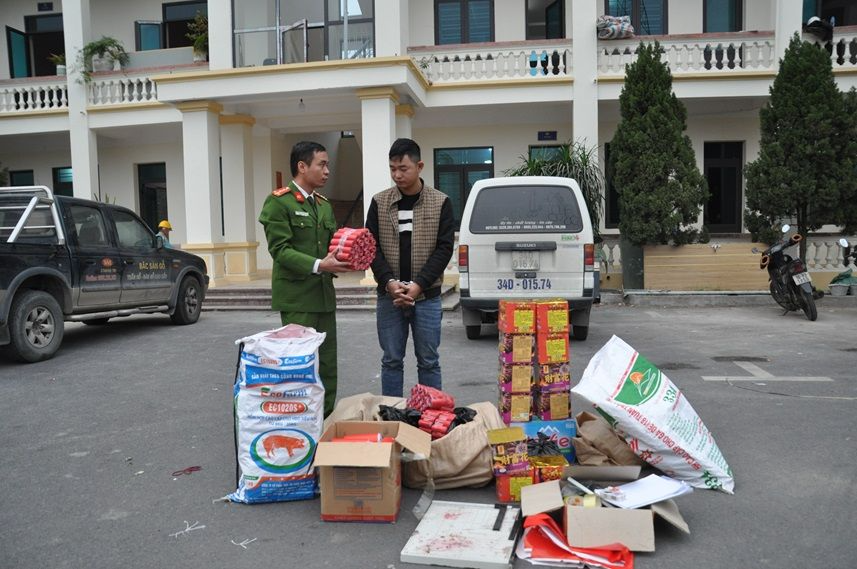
(473, 332)
(579, 333)
(35, 326)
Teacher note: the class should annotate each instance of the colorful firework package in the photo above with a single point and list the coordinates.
(279, 410)
(356, 246)
(645, 408)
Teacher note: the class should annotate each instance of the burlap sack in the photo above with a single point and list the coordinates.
(597, 445)
(460, 459)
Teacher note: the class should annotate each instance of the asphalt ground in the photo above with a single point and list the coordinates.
(91, 438)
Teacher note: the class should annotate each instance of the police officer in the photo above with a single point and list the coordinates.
(299, 224)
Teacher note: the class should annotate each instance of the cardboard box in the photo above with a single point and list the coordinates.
(516, 378)
(594, 527)
(509, 449)
(509, 486)
(362, 481)
(552, 348)
(516, 348)
(560, 432)
(549, 405)
(517, 317)
(551, 375)
(515, 407)
(552, 317)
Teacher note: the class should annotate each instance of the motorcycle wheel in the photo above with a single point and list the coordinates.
(775, 294)
(808, 305)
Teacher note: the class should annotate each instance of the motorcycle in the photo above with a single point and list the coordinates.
(791, 285)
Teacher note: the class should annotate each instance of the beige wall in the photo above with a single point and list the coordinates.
(115, 18)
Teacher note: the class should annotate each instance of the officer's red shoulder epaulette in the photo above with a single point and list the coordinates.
(321, 196)
(281, 191)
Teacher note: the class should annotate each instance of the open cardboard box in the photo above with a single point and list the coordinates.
(594, 527)
(362, 481)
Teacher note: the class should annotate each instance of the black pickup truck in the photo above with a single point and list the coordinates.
(69, 259)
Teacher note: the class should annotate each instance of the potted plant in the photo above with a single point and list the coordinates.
(198, 34)
(59, 61)
(103, 54)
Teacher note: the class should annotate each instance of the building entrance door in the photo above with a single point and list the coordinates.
(723, 164)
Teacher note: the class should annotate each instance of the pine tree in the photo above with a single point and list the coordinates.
(806, 166)
(661, 191)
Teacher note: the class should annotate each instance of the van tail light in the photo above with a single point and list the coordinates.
(462, 259)
(589, 257)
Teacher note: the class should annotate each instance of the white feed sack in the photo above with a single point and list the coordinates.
(279, 410)
(645, 408)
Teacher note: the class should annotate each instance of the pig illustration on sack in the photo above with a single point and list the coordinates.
(275, 442)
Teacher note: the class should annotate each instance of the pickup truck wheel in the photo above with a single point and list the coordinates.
(96, 322)
(188, 303)
(579, 333)
(35, 326)
(473, 332)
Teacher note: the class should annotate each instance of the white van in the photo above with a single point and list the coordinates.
(525, 237)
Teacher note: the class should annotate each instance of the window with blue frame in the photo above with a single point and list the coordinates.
(62, 178)
(148, 35)
(463, 21)
(649, 17)
(21, 178)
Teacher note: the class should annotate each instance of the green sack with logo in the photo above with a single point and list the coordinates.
(647, 410)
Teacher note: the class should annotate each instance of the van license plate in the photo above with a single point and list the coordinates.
(525, 260)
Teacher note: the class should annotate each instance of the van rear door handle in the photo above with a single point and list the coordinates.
(525, 246)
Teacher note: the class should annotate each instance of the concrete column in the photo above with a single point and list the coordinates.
(788, 16)
(84, 142)
(201, 148)
(264, 181)
(391, 16)
(584, 13)
(404, 121)
(236, 144)
(220, 34)
(378, 119)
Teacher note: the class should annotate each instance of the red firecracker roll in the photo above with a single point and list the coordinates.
(436, 422)
(355, 246)
(424, 397)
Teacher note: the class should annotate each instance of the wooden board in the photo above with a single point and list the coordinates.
(731, 266)
(462, 534)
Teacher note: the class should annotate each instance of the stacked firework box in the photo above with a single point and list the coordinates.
(534, 378)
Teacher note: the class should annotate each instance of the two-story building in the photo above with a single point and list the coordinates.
(478, 83)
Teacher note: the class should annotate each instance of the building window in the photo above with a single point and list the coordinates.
(545, 19)
(545, 152)
(843, 11)
(355, 40)
(649, 17)
(62, 178)
(463, 21)
(457, 169)
(177, 17)
(29, 50)
(21, 178)
(722, 16)
(148, 35)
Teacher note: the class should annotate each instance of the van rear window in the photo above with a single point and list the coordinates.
(526, 209)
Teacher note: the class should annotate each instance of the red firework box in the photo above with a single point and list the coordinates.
(509, 485)
(516, 348)
(552, 405)
(517, 317)
(509, 449)
(553, 377)
(552, 348)
(546, 468)
(516, 378)
(552, 316)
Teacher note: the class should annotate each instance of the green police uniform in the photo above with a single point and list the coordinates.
(298, 233)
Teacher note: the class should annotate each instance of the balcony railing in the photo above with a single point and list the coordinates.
(697, 53)
(493, 61)
(842, 48)
(122, 89)
(16, 96)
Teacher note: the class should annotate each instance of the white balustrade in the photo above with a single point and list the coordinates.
(825, 254)
(23, 97)
(842, 48)
(526, 60)
(122, 90)
(699, 54)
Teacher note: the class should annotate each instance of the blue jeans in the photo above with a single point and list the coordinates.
(393, 325)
